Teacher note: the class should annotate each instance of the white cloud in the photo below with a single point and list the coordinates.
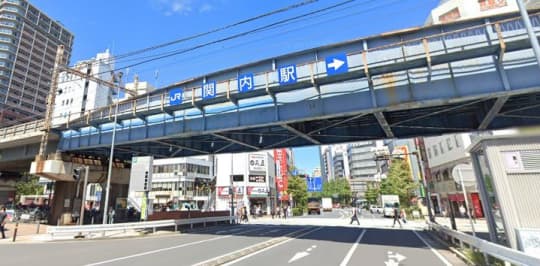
(183, 7)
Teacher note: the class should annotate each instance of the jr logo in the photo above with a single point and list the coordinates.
(175, 96)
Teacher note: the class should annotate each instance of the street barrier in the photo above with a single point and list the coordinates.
(488, 248)
(96, 228)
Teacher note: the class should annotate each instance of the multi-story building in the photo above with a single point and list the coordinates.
(28, 43)
(76, 94)
(339, 164)
(182, 181)
(316, 172)
(139, 87)
(444, 153)
(253, 179)
(363, 166)
(452, 10)
(327, 164)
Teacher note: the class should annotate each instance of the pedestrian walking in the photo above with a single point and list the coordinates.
(3, 221)
(273, 213)
(285, 212)
(472, 215)
(354, 216)
(245, 214)
(396, 215)
(403, 216)
(278, 212)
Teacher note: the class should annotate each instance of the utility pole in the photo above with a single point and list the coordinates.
(530, 31)
(424, 181)
(111, 155)
(83, 198)
(58, 61)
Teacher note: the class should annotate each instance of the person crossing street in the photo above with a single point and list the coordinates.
(354, 216)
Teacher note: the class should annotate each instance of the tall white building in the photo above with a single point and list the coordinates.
(327, 165)
(76, 95)
(253, 177)
(452, 10)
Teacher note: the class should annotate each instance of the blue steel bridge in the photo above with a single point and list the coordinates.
(478, 74)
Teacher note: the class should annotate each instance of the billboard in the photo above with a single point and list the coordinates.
(282, 173)
(257, 162)
(314, 184)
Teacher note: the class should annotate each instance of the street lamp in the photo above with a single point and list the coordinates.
(111, 157)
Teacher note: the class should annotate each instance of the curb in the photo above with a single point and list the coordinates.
(251, 249)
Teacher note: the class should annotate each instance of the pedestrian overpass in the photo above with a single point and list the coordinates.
(479, 74)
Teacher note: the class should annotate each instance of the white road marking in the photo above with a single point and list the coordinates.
(353, 248)
(433, 250)
(298, 256)
(161, 250)
(273, 246)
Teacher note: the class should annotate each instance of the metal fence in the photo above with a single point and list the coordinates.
(103, 228)
(489, 249)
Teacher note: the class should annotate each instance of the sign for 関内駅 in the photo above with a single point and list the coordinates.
(257, 162)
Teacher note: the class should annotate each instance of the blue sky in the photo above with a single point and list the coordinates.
(126, 25)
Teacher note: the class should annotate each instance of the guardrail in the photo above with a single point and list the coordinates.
(488, 248)
(86, 229)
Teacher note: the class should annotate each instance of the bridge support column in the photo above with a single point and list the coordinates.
(62, 201)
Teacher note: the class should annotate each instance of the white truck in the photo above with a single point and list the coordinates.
(327, 204)
(388, 202)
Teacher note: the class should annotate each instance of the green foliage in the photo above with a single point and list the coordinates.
(297, 211)
(372, 193)
(339, 190)
(399, 182)
(298, 188)
(28, 186)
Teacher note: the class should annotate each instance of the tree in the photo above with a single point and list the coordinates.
(399, 181)
(29, 185)
(298, 188)
(372, 193)
(338, 189)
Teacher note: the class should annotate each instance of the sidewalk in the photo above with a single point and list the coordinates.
(25, 231)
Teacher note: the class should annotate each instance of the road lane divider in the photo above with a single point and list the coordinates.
(242, 254)
(164, 249)
(352, 249)
(432, 249)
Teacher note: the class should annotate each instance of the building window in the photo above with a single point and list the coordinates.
(491, 4)
(435, 150)
(456, 138)
(429, 152)
(449, 143)
(441, 147)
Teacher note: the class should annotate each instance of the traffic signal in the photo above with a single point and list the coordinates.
(76, 173)
(145, 186)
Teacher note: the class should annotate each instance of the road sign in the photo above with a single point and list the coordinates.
(336, 64)
(245, 82)
(208, 90)
(314, 184)
(287, 75)
(175, 96)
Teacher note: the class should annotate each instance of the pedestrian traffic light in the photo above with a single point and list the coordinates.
(76, 173)
(145, 186)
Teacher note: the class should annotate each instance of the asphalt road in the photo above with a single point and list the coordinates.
(177, 249)
(313, 245)
(349, 246)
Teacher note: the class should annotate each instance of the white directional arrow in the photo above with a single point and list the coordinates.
(298, 256)
(336, 63)
(397, 257)
(391, 263)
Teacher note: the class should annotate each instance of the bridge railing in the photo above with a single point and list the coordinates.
(87, 230)
(366, 61)
(21, 129)
(489, 249)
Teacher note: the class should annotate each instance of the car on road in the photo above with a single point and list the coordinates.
(375, 209)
